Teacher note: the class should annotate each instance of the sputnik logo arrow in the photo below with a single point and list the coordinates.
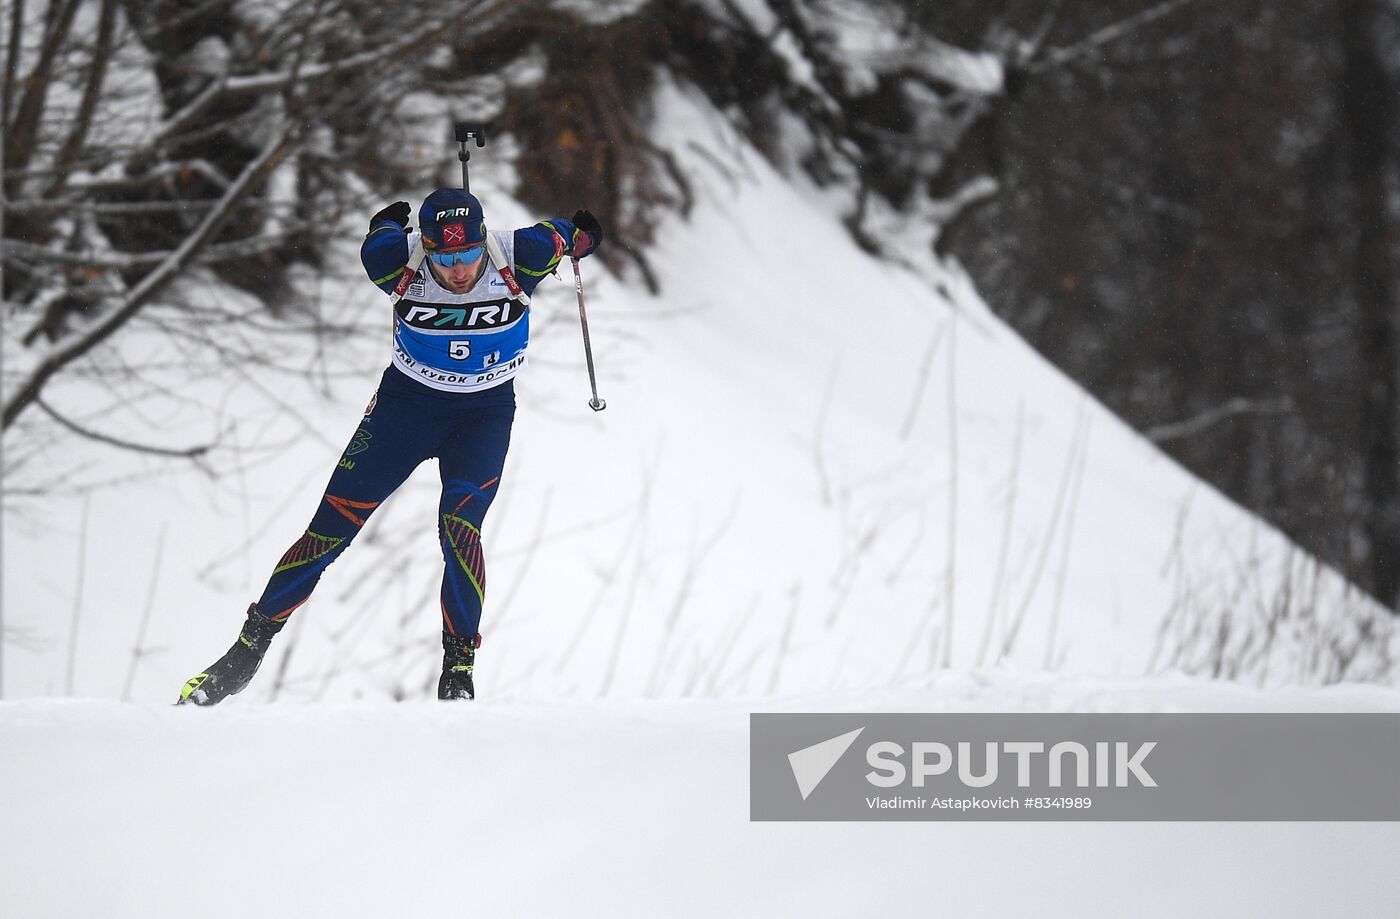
(811, 764)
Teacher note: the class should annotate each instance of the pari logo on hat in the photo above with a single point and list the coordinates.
(450, 219)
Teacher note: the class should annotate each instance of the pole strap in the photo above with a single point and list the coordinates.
(507, 270)
(410, 271)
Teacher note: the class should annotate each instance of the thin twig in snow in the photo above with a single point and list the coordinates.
(728, 643)
(1013, 478)
(289, 647)
(1061, 494)
(925, 369)
(637, 536)
(1066, 544)
(951, 561)
(138, 650)
(695, 564)
(615, 655)
(586, 619)
(78, 580)
(819, 434)
(507, 602)
(785, 639)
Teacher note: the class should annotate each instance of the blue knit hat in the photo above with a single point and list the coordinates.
(450, 219)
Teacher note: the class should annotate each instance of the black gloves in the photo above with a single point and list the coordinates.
(589, 224)
(395, 213)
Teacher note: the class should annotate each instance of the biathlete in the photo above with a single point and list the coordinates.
(461, 329)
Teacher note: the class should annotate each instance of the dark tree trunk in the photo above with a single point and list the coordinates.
(1369, 102)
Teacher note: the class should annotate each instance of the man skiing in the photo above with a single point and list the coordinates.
(461, 329)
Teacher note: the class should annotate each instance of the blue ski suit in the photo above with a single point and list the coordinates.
(449, 393)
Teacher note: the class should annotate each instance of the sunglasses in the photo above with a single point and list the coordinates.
(465, 257)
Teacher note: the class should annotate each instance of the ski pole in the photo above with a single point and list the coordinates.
(595, 403)
(465, 131)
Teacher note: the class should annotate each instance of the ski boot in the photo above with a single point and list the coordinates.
(232, 672)
(458, 658)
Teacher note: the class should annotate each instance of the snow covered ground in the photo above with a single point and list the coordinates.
(532, 807)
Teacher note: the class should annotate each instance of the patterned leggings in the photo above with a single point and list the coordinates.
(406, 424)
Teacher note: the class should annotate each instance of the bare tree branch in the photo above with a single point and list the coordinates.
(1208, 419)
(92, 91)
(22, 133)
(178, 453)
(150, 285)
(13, 249)
(1059, 57)
(483, 16)
(12, 50)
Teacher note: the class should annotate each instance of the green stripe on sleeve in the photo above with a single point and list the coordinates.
(537, 274)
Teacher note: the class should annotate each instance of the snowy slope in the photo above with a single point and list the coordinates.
(817, 472)
(551, 808)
